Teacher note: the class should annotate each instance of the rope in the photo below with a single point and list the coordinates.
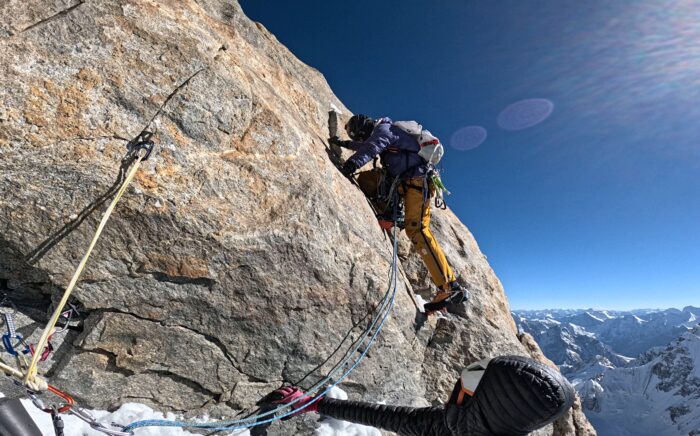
(35, 382)
(31, 373)
(38, 384)
(383, 310)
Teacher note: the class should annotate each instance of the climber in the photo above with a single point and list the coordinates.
(506, 396)
(398, 151)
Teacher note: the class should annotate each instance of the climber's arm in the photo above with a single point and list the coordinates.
(353, 145)
(380, 139)
(406, 421)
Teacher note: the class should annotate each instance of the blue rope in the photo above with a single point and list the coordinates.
(384, 309)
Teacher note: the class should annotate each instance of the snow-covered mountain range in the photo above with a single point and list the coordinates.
(638, 372)
(657, 394)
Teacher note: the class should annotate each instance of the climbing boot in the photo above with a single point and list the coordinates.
(449, 299)
(389, 219)
(459, 302)
(438, 303)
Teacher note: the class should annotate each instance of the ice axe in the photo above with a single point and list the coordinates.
(336, 151)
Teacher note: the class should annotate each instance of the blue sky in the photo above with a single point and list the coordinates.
(596, 206)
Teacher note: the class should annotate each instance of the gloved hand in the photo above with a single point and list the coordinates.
(339, 142)
(288, 394)
(348, 169)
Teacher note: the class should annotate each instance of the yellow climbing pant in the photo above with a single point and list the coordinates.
(417, 208)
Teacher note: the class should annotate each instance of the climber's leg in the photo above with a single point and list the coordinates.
(418, 230)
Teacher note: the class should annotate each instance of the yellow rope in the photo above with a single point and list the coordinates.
(22, 361)
(31, 374)
(37, 384)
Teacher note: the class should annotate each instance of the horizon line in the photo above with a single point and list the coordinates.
(608, 309)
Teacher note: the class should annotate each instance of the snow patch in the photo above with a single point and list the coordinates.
(595, 318)
(126, 414)
(421, 302)
(335, 427)
(131, 412)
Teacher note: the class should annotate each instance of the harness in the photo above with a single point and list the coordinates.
(431, 179)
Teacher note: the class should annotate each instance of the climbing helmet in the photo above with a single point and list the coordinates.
(359, 127)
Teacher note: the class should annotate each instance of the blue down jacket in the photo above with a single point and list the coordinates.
(397, 149)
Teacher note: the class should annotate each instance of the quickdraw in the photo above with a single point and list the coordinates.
(138, 149)
(440, 190)
(69, 406)
(11, 340)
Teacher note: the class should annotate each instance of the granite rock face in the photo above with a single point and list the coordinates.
(240, 257)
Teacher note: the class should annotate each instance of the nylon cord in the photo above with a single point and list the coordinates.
(31, 372)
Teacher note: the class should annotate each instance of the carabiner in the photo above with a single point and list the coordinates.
(7, 339)
(69, 400)
(85, 416)
(48, 349)
(11, 335)
(35, 399)
(6, 302)
(141, 142)
(68, 315)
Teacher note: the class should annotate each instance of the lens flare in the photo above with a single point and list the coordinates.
(468, 138)
(525, 113)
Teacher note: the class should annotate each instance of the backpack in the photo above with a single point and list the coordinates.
(430, 147)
